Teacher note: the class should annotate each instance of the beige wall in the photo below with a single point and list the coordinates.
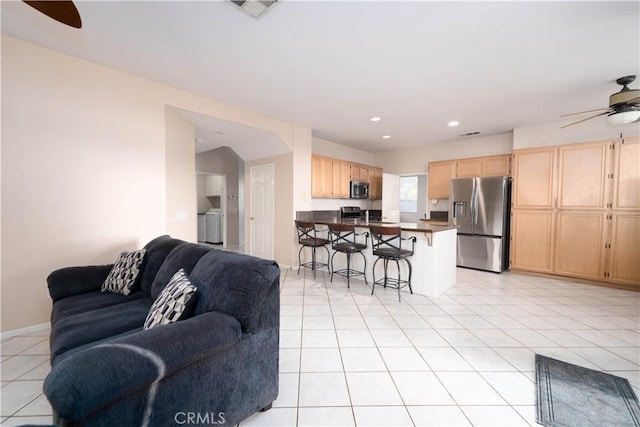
(180, 164)
(283, 206)
(88, 168)
(416, 159)
(550, 133)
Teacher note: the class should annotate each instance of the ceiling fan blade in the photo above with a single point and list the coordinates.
(62, 11)
(584, 120)
(583, 112)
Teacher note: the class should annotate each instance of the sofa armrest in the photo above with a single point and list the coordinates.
(101, 376)
(69, 281)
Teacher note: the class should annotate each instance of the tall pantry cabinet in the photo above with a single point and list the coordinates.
(576, 210)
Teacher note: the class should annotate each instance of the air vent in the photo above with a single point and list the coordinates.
(255, 8)
(470, 134)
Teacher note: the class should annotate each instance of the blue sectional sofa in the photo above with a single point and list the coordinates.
(218, 366)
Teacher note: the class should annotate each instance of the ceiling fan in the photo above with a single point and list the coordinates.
(624, 106)
(62, 11)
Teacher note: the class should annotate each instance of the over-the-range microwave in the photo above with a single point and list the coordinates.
(359, 190)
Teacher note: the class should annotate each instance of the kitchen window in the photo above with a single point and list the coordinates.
(409, 194)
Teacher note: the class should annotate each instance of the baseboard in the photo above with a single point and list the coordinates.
(579, 280)
(22, 331)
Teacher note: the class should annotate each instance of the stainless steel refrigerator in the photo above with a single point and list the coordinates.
(480, 208)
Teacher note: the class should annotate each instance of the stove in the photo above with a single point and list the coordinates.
(352, 212)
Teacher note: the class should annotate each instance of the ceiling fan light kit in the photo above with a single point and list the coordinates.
(624, 117)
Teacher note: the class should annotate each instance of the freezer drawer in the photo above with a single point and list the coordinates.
(482, 253)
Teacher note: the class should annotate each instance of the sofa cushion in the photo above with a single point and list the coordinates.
(174, 303)
(157, 251)
(90, 301)
(235, 284)
(91, 326)
(124, 272)
(185, 256)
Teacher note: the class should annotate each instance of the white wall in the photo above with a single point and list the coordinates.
(415, 160)
(550, 133)
(85, 168)
(327, 148)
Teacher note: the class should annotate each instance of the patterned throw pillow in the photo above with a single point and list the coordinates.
(124, 272)
(174, 302)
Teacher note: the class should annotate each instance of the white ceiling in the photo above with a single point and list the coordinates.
(330, 65)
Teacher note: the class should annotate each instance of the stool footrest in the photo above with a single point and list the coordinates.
(348, 272)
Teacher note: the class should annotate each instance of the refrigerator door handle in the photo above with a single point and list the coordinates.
(474, 203)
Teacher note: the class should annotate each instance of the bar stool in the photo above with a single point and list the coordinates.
(386, 244)
(308, 238)
(343, 239)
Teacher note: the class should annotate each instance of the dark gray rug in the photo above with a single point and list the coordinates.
(570, 395)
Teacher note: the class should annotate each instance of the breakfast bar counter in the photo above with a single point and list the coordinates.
(433, 261)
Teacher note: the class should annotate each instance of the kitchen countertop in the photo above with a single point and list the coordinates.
(423, 227)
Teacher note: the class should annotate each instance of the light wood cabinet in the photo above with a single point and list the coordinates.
(534, 178)
(626, 178)
(468, 168)
(496, 165)
(440, 173)
(341, 174)
(582, 179)
(330, 178)
(625, 249)
(375, 183)
(580, 244)
(321, 176)
(591, 194)
(532, 240)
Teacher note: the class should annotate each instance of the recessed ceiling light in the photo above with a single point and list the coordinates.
(453, 123)
(217, 132)
(386, 136)
(375, 119)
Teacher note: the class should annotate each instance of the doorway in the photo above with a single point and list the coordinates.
(261, 211)
(212, 208)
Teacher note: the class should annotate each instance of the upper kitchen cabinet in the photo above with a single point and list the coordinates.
(341, 175)
(375, 183)
(359, 172)
(534, 178)
(440, 173)
(496, 165)
(583, 170)
(321, 176)
(468, 168)
(626, 177)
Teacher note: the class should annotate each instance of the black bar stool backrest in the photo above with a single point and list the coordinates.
(387, 242)
(307, 234)
(343, 237)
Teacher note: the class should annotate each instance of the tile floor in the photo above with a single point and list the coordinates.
(465, 358)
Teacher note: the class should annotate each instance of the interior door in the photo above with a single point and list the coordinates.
(390, 197)
(261, 213)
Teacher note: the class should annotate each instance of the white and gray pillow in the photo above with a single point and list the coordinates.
(174, 302)
(123, 275)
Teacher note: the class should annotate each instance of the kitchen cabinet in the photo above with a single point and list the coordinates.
(626, 177)
(625, 249)
(359, 172)
(580, 244)
(330, 178)
(375, 183)
(532, 237)
(321, 176)
(341, 171)
(589, 197)
(534, 178)
(582, 176)
(496, 165)
(440, 173)
(468, 168)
